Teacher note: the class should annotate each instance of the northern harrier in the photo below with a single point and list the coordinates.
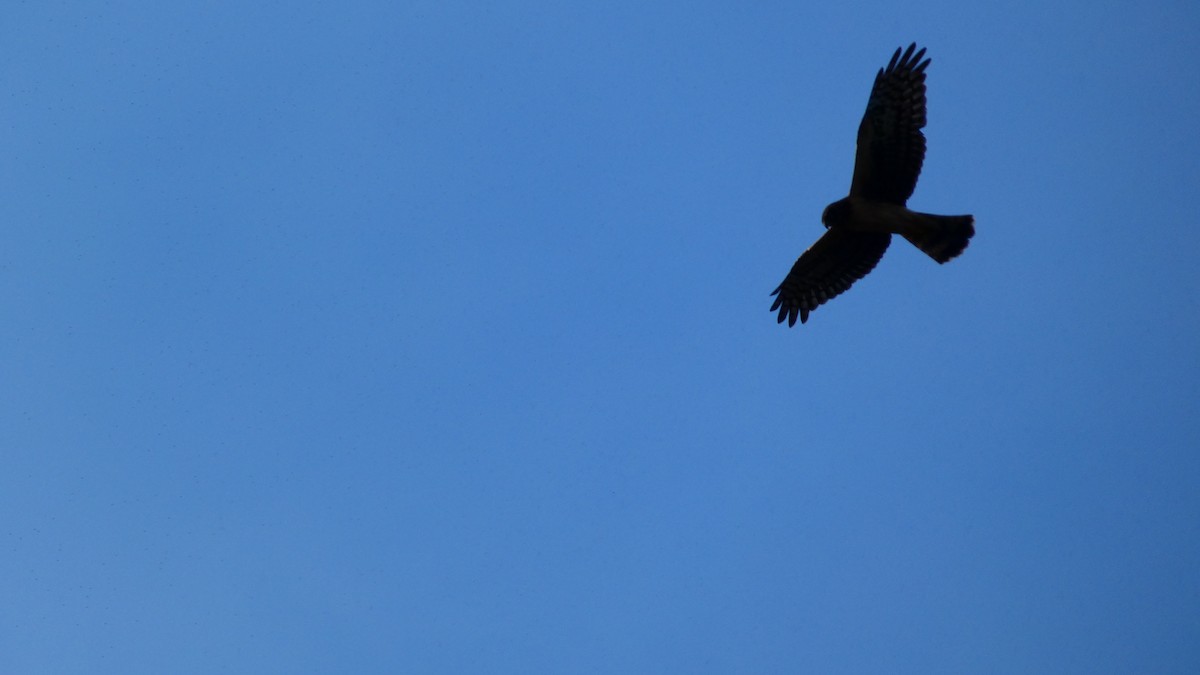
(891, 149)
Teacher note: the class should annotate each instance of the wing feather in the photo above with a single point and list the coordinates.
(891, 147)
(828, 268)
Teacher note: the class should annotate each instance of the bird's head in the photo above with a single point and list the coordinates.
(836, 213)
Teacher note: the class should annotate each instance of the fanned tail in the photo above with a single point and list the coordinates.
(940, 237)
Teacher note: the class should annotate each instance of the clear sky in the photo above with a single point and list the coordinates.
(433, 337)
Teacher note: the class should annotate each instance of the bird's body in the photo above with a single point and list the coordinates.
(891, 150)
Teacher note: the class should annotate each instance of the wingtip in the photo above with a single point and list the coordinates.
(791, 314)
(892, 63)
(907, 58)
(788, 313)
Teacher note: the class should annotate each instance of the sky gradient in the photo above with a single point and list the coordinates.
(433, 337)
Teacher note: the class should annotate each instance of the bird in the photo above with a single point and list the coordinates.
(859, 227)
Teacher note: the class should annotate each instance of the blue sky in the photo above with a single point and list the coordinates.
(433, 337)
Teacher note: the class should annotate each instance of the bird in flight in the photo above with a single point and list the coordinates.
(859, 227)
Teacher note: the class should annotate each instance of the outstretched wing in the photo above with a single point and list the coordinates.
(891, 147)
(826, 269)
